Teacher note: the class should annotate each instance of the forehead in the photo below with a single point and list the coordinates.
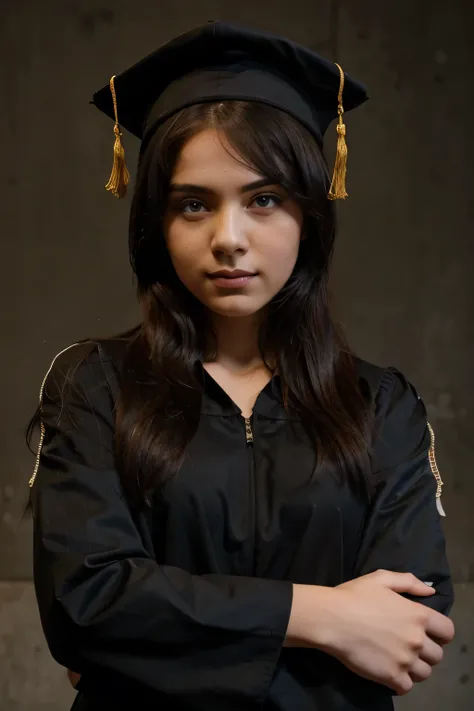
(208, 155)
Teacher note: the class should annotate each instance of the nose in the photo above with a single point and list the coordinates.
(229, 236)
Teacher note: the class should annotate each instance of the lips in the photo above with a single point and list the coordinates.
(232, 279)
(234, 274)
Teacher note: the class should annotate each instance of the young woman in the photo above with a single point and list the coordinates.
(231, 510)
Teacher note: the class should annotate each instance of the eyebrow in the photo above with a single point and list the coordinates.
(201, 190)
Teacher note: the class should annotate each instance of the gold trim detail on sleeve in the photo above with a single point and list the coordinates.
(42, 429)
(435, 471)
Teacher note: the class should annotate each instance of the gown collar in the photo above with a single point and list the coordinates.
(217, 402)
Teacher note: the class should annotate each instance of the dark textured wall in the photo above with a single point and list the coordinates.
(403, 263)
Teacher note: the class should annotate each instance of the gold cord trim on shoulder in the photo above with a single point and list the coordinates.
(435, 471)
(42, 429)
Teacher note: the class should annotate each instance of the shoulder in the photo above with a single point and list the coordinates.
(388, 389)
(400, 423)
(88, 365)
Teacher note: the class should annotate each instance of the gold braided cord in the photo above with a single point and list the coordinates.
(114, 97)
(341, 87)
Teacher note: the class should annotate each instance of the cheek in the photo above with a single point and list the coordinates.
(280, 254)
(184, 253)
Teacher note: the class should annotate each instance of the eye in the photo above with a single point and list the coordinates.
(192, 207)
(267, 200)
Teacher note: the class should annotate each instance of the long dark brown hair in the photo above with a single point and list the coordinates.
(159, 405)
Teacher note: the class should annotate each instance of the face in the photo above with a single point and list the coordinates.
(233, 238)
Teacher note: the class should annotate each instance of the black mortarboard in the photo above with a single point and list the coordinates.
(217, 62)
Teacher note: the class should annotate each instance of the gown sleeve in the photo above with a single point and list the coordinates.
(105, 603)
(403, 532)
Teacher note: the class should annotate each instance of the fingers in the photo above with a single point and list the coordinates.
(431, 653)
(439, 627)
(402, 685)
(420, 671)
(404, 583)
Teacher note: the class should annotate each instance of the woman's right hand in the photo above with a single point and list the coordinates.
(371, 628)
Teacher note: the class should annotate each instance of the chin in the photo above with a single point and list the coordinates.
(234, 313)
(231, 308)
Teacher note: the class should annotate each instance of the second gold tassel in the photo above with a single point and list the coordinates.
(337, 191)
(119, 177)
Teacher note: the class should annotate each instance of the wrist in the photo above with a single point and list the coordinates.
(312, 617)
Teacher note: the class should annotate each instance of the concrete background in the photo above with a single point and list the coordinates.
(403, 263)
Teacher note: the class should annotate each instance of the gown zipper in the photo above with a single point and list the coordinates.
(253, 492)
(248, 430)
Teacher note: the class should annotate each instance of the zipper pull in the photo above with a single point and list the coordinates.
(248, 430)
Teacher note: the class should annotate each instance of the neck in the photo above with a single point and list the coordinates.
(237, 342)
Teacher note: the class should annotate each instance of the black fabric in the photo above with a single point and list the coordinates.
(186, 607)
(219, 61)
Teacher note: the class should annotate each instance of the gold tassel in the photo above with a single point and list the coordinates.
(337, 191)
(120, 176)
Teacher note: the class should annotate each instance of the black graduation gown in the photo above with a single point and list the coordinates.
(186, 607)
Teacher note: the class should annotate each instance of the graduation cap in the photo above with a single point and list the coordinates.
(218, 62)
